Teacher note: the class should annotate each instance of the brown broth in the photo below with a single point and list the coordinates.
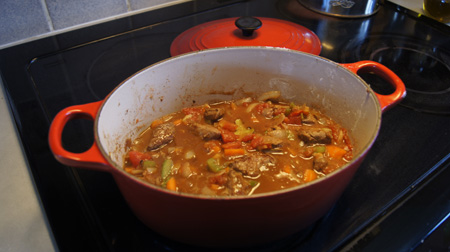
(296, 161)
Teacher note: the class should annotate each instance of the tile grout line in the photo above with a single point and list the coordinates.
(47, 15)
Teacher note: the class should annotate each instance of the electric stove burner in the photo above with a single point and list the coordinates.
(123, 59)
(424, 69)
(426, 73)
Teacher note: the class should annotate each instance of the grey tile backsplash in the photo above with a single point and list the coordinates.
(27, 19)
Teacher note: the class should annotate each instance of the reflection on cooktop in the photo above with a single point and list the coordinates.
(424, 69)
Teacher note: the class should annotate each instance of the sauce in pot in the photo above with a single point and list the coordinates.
(239, 147)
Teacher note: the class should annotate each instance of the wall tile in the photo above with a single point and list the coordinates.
(142, 4)
(67, 13)
(21, 19)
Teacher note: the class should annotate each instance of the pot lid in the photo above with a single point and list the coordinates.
(247, 31)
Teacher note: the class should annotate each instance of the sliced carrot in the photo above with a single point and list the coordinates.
(233, 106)
(216, 149)
(129, 169)
(214, 187)
(309, 175)
(178, 122)
(234, 152)
(227, 125)
(287, 169)
(335, 152)
(171, 184)
(156, 123)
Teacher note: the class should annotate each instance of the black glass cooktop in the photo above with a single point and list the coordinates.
(396, 199)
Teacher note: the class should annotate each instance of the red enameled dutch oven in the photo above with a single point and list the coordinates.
(223, 74)
(246, 31)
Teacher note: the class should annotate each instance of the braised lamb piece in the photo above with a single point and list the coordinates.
(214, 114)
(206, 131)
(162, 135)
(315, 135)
(252, 164)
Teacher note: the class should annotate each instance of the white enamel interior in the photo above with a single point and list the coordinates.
(231, 73)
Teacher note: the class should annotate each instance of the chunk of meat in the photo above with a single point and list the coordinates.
(237, 184)
(206, 131)
(319, 161)
(252, 164)
(162, 135)
(272, 112)
(214, 114)
(268, 112)
(274, 141)
(309, 119)
(315, 135)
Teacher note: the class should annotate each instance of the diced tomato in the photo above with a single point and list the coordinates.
(248, 138)
(295, 117)
(294, 120)
(136, 157)
(228, 136)
(194, 110)
(196, 113)
(218, 180)
(279, 111)
(260, 107)
(232, 145)
(224, 124)
(298, 113)
(256, 141)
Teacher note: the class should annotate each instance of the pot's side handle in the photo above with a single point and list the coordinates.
(92, 158)
(386, 101)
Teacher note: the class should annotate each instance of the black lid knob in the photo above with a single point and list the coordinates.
(248, 25)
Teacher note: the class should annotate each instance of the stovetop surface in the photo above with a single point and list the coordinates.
(396, 198)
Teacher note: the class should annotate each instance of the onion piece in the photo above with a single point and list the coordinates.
(185, 170)
(251, 107)
(269, 95)
(151, 170)
(190, 154)
(244, 100)
(278, 133)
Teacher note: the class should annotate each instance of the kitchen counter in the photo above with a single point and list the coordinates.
(22, 221)
(414, 5)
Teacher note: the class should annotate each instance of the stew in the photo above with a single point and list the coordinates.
(239, 147)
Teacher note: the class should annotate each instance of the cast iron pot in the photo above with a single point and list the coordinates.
(222, 74)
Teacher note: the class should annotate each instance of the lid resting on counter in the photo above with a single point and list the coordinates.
(246, 31)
